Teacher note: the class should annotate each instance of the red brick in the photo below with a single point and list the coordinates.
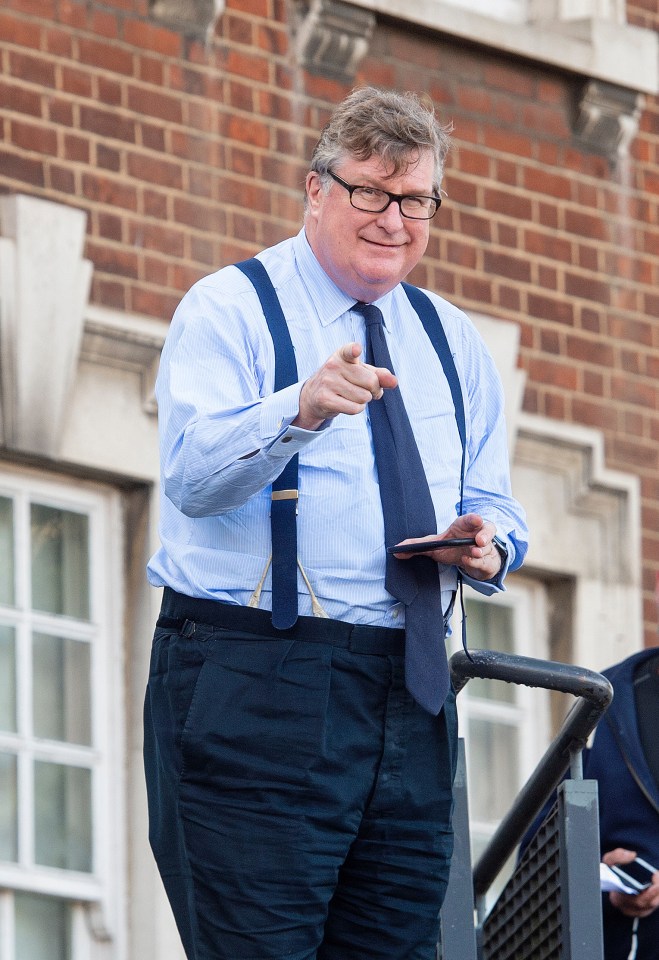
(76, 148)
(152, 38)
(107, 123)
(257, 8)
(154, 204)
(201, 216)
(510, 298)
(602, 416)
(548, 308)
(507, 77)
(634, 330)
(248, 130)
(106, 55)
(476, 289)
(550, 342)
(588, 287)
(108, 158)
(246, 65)
(507, 142)
(547, 184)
(104, 23)
(109, 258)
(555, 406)
(60, 111)
(36, 139)
(153, 103)
(515, 267)
(32, 69)
(549, 245)
(109, 226)
(155, 270)
(73, 13)
(508, 203)
(272, 39)
(468, 160)
(628, 389)
(152, 70)
(154, 170)
(18, 99)
(75, 81)
(153, 137)
(590, 350)
(110, 191)
(111, 293)
(594, 383)
(61, 179)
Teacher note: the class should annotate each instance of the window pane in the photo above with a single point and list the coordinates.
(61, 697)
(490, 627)
(42, 928)
(60, 561)
(8, 807)
(62, 814)
(493, 769)
(7, 678)
(7, 551)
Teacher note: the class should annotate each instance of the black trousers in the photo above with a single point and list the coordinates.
(299, 799)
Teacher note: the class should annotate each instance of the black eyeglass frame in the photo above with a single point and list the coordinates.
(393, 197)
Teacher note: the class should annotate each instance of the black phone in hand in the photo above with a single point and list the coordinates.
(444, 544)
(636, 874)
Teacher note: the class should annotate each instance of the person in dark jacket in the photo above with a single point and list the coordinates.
(624, 759)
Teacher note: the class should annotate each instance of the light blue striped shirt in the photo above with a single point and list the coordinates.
(216, 405)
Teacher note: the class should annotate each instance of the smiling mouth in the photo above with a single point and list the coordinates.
(386, 246)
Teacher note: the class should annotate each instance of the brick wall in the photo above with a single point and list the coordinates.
(188, 152)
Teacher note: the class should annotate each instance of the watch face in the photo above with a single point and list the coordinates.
(501, 547)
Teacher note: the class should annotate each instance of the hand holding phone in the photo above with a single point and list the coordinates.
(439, 544)
(635, 875)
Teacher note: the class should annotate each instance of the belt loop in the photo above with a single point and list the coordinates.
(188, 628)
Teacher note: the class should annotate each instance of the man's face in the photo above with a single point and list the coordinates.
(367, 254)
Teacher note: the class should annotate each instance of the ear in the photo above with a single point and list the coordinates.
(314, 190)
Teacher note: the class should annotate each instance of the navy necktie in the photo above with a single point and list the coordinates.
(408, 511)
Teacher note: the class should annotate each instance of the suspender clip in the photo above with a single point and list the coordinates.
(286, 495)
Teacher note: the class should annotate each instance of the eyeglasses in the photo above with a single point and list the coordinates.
(373, 200)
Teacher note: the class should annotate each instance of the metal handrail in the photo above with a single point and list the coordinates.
(594, 694)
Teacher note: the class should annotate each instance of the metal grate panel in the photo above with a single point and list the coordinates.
(525, 922)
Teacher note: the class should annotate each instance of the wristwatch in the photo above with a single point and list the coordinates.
(501, 549)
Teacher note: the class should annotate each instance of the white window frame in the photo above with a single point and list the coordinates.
(96, 898)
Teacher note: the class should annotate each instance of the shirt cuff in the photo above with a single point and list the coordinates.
(277, 413)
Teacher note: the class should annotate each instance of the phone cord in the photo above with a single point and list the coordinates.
(634, 947)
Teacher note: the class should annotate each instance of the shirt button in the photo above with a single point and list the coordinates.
(394, 614)
(286, 439)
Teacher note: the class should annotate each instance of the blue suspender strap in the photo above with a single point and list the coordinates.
(433, 327)
(283, 510)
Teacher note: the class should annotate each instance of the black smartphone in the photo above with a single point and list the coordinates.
(637, 874)
(432, 545)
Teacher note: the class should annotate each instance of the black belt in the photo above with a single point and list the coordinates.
(177, 608)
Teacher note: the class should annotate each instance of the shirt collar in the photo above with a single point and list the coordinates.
(328, 299)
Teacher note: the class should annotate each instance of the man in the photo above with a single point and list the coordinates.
(300, 795)
(624, 759)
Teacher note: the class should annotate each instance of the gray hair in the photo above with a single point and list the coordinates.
(395, 127)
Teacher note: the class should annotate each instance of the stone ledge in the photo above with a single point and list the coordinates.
(619, 54)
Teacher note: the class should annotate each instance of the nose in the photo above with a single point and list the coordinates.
(391, 217)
